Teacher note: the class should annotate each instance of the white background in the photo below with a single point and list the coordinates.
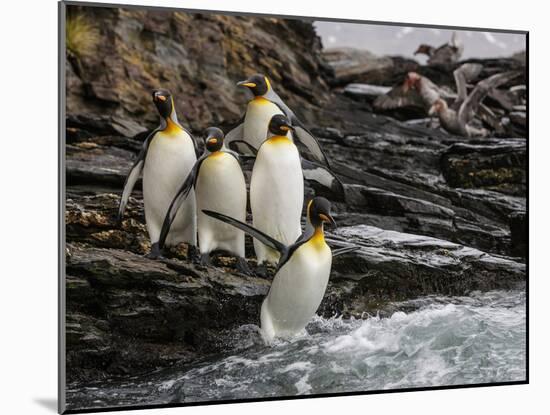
(28, 205)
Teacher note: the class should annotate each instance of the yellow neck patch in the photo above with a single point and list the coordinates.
(171, 127)
(216, 154)
(318, 239)
(261, 101)
(279, 139)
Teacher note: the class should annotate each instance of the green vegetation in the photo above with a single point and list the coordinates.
(82, 36)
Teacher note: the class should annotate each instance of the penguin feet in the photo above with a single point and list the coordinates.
(242, 266)
(205, 260)
(261, 270)
(193, 254)
(156, 252)
(118, 220)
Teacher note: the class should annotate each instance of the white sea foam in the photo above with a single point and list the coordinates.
(302, 386)
(297, 366)
(447, 341)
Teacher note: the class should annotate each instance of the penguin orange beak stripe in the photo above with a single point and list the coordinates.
(327, 218)
(247, 84)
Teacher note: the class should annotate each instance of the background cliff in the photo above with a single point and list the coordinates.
(198, 57)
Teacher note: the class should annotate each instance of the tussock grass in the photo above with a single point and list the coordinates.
(82, 37)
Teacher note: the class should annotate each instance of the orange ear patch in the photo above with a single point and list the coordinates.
(324, 218)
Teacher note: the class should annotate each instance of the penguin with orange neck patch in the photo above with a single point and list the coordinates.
(219, 185)
(259, 111)
(168, 154)
(277, 189)
(302, 273)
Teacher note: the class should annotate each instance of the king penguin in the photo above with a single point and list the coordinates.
(277, 189)
(302, 273)
(254, 125)
(219, 185)
(167, 156)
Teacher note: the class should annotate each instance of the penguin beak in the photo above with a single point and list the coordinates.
(159, 97)
(212, 140)
(247, 83)
(328, 219)
(287, 128)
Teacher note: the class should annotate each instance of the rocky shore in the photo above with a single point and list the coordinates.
(433, 213)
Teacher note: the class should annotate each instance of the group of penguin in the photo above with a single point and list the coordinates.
(185, 198)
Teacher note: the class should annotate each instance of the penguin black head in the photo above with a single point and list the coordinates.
(163, 101)
(258, 84)
(318, 212)
(214, 139)
(280, 125)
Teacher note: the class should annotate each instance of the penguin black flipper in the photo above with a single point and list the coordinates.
(302, 134)
(193, 139)
(134, 173)
(345, 250)
(304, 237)
(178, 200)
(242, 147)
(325, 177)
(255, 233)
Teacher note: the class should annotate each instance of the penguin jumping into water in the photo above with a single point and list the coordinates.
(219, 185)
(252, 130)
(302, 272)
(166, 158)
(277, 189)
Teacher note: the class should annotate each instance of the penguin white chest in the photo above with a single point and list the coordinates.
(277, 194)
(170, 158)
(221, 188)
(258, 114)
(297, 290)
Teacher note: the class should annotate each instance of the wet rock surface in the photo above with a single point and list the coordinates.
(432, 213)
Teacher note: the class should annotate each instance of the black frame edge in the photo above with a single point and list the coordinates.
(61, 99)
(285, 16)
(291, 398)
